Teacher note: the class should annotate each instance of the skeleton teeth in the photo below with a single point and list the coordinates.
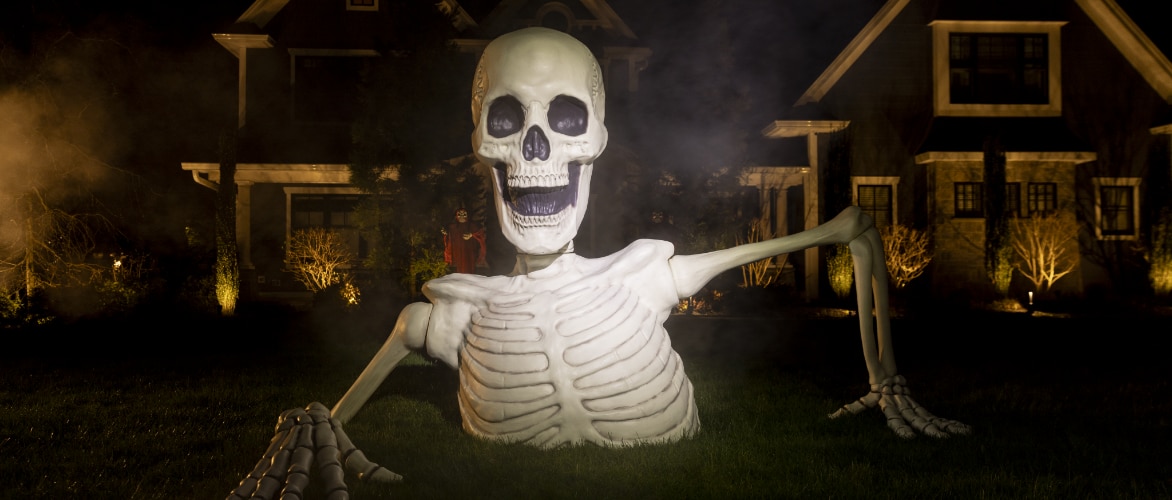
(530, 221)
(558, 179)
(536, 196)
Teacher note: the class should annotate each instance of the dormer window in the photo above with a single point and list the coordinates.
(997, 68)
(371, 5)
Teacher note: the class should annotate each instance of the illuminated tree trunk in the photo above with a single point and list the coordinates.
(997, 248)
(30, 275)
(227, 265)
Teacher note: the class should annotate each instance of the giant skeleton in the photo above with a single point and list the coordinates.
(568, 350)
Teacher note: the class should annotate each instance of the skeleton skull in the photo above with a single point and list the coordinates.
(538, 106)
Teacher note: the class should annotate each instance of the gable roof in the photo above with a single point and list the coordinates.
(263, 11)
(1108, 16)
(604, 17)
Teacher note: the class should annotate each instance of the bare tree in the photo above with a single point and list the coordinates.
(317, 257)
(53, 248)
(1043, 247)
(765, 271)
(907, 251)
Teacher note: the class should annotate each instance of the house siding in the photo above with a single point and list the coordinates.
(1108, 110)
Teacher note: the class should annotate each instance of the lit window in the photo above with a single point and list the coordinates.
(1042, 197)
(969, 200)
(1116, 207)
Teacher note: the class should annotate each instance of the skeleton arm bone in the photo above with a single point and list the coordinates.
(409, 334)
(888, 389)
(692, 272)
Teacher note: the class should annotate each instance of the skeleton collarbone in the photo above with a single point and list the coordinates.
(572, 353)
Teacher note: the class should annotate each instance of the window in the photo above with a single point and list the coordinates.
(996, 68)
(876, 195)
(369, 5)
(329, 211)
(875, 200)
(969, 200)
(1042, 198)
(1116, 207)
(1013, 199)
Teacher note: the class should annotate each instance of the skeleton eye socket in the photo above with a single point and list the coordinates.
(567, 116)
(505, 117)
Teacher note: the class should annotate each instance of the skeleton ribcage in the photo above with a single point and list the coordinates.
(580, 364)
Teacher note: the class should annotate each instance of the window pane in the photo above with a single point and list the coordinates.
(998, 68)
(1042, 197)
(1117, 207)
(875, 200)
(970, 200)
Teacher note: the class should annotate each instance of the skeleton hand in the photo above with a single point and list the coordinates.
(903, 414)
(304, 436)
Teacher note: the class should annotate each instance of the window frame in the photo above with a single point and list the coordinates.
(941, 67)
(1049, 200)
(891, 182)
(350, 231)
(978, 202)
(1117, 182)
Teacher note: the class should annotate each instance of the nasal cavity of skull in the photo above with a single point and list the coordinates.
(535, 145)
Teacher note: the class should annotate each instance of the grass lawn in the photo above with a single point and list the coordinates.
(180, 407)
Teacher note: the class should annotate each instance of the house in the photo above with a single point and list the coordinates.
(1075, 94)
(299, 65)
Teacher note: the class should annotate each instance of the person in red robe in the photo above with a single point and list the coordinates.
(464, 244)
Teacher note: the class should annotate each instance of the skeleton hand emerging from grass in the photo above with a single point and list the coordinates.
(567, 350)
(305, 437)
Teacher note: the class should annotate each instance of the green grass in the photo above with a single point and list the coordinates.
(1061, 408)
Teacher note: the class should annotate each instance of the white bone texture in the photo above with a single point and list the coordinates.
(568, 350)
(541, 170)
(303, 437)
(575, 352)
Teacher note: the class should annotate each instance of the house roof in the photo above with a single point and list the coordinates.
(493, 15)
(497, 21)
(1134, 44)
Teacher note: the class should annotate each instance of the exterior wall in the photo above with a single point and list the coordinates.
(959, 242)
(887, 97)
